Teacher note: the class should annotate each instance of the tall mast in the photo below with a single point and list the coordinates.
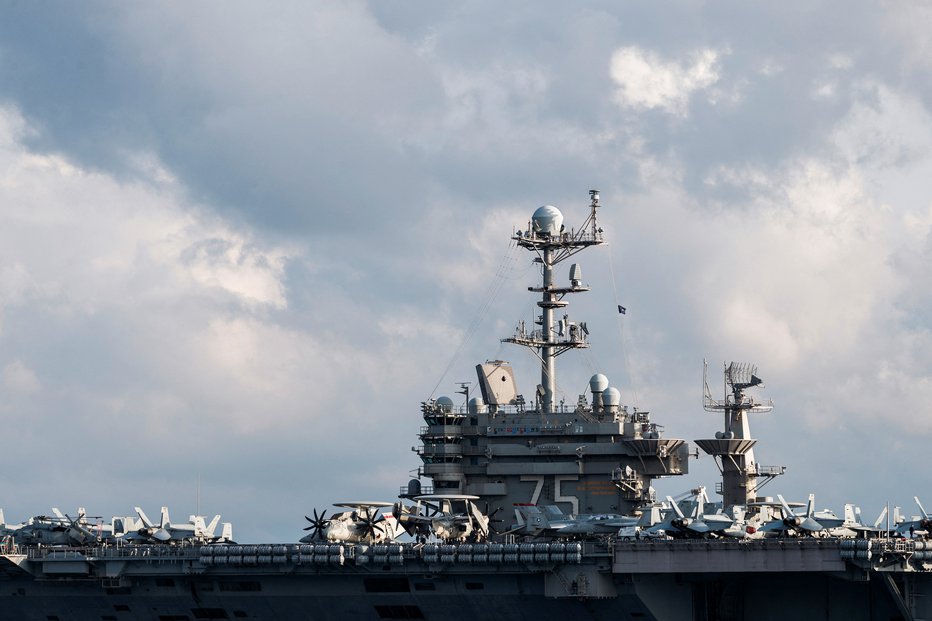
(548, 238)
(733, 448)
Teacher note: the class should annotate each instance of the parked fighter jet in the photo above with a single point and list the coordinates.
(363, 522)
(918, 526)
(194, 530)
(698, 523)
(549, 521)
(852, 526)
(792, 524)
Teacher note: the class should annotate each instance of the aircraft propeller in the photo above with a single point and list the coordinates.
(370, 522)
(318, 525)
(492, 518)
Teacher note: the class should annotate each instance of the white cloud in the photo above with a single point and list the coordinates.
(907, 22)
(840, 61)
(81, 240)
(823, 272)
(80, 250)
(645, 80)
(19, 378)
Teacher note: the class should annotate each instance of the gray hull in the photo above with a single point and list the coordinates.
(723, 580)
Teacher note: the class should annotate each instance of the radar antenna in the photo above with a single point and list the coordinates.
(548, 238)
(738, 377)
(733, 448)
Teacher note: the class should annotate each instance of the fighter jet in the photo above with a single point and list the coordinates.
(852, 526)
(549, 521)
(792, 524)
(196, 529)
(698, 523)
(921, 526)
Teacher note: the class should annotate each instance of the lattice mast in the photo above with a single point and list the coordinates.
(548, 238)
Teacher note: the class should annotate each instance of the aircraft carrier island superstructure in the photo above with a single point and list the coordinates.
(593, 456)
(534, 509)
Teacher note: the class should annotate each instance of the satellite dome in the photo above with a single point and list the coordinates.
(611, 396)
(477, 406)
(547, 220)
(598, 383)
(445, 403)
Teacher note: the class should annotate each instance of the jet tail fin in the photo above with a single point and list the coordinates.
(210, 528)
(880, 518)
(675, 507)
(531, 518)
(851, 516)
(784, 507)
(142, 516)
(924, 514)
(226, 534)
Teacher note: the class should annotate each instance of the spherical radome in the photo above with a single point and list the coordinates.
(547, 220)
(598, 383)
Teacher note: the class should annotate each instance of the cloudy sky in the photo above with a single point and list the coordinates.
(241, 242)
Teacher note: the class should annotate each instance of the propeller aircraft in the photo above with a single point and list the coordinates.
(362, 522)
(449, 517)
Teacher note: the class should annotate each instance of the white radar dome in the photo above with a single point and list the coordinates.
(611, 396)
(547, 220)
(477, 406)
(445, 403)
(598, 383)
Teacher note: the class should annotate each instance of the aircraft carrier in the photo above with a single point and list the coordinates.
(525, 507)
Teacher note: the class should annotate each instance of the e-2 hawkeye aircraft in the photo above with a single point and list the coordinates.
(362, 522)
(448, 517)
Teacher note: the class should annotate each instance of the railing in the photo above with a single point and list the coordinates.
(180, 551)
(426, 490)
